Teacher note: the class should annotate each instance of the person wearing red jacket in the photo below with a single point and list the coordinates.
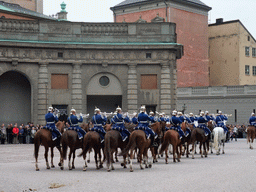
(15, 133)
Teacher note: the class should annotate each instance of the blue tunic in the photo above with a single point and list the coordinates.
(98, 122)
(202, 124)
(135, 120)
(119, 120)
(73, 121)
(252, 120)
(175, 121)
(50, 124)
(143, 120)
(220, 122)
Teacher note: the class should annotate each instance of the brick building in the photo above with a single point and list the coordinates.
(191, 18)
(33, 5)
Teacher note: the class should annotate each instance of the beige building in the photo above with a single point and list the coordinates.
(34, 5)
(232, 54)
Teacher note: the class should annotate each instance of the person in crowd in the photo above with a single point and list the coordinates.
(15, 133)
(98, 121)
(33, 132)
(3, 133)
(9, 133)
(73, 121)
(21, 134)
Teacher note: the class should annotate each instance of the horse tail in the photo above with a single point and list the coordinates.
(107, 150)
(37, 141)
(165, 143)
(216, 138)
(64, 148)
(131, 144)
(86, 146)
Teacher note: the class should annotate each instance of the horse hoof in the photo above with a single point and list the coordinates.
(113, 168)
(59, 164)
(131, 170)
(166, 162)
(150, 165)
(73, 167)
(117, 160)
(101, 166)
(223, 152)
(70, 169)
(52, 166)
(193, 157)
(178, 160)
(84, 169)
(122, 164)
(125, 167)
(88, 161)
(109, 170)
(37, 169)
(61, 168)
(48, 168)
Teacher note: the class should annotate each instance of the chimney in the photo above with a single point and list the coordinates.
(219, 21)
(62, 15)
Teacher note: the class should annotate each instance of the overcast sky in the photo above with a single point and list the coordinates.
(98, 10)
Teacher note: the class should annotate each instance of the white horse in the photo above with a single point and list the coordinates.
(219, 138)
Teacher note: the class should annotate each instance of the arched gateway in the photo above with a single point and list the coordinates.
(104, 91)
(15, 97)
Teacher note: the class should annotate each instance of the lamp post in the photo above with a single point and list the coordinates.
(184, 107)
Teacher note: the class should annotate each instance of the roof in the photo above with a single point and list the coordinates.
(233, 21)
(135, 2)
(17, 9)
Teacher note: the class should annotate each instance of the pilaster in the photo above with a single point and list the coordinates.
(76, 95)
(165, 91)
(132, 89)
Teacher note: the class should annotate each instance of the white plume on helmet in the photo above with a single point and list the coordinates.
(50, 109)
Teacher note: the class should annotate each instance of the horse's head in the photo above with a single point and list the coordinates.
(107, 127)
(60, 126)
(85, 126)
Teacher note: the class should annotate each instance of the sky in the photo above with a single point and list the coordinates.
(99, 10)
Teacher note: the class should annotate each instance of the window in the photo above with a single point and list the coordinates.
(149, 81)
(247, 51)
(254, 70)
(148, 55)
(254, 52)
(104, 81)
(248, 38)
(247, 70)
(150, 108)
(60, 54)
(59, 81)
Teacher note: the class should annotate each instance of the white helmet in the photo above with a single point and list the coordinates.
(96, 109)
(179, 113)
(220, 112)
(252, 114)
(174, 112)
(151, 113)
(143, 108)
(206, 112)
(134, 114)
(118, 109)
(201, 113)
(72, 110)
(191, 114)
(50, 109)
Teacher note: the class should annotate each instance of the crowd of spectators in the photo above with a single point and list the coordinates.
(14, 134)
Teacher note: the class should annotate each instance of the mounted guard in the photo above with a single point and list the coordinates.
(202, 123)
(98, 121)
(51, 118)
(175, 121)
(73, 122)
(143, 120)
(252, 120)
(152, 117)
(135, 118)
(220, 121)
(118, 125)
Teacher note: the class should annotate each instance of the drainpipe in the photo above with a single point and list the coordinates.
(166, 7)
(114, 16)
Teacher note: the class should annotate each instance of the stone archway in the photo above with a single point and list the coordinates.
(15, 97)
(104, 91)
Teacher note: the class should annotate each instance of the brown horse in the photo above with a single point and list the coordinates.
(198, 134)
(44, 137)
(70, 139)
(138, 139)
(92, 141)
(158, 128)
(187, 139)
(113, 141)
(250, 135)
(171, 137)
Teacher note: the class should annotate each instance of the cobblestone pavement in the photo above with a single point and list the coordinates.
(233, 171)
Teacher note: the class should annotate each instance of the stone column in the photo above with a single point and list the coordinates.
(173, 68)
(42, 92)
(132, 89)
(76, 96)
(165, 91)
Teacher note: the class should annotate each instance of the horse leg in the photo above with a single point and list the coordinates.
(223, 142)
(36, 155)
(200, 148)
(101, 162)
(174, 148)
(116, 156)
(69, 158)
(46, 157)
(205, 150)
(193, 150)
(179, 153)
(73, 162)
(85, 164)
(130, 159)
(61, 158)
(52, 155)
(140, 157)
(112, 160)
(124, 163)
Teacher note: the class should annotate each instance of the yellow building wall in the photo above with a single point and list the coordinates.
(34, 5)
(224, 54)
(246, 60)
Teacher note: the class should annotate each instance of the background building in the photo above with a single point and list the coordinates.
(33, 5)
(232, 54)
(191, 18)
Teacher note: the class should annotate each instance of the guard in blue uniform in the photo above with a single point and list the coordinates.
(119, 124)
(202, 121)
(208, 117)
(51, 119)
(162, 117)
(135, 118)
(175, 121)
(152, 118)
(98, 121)
(252, 120)
(143, 120)
(220, 121)
(184, 119)
(73, 122)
